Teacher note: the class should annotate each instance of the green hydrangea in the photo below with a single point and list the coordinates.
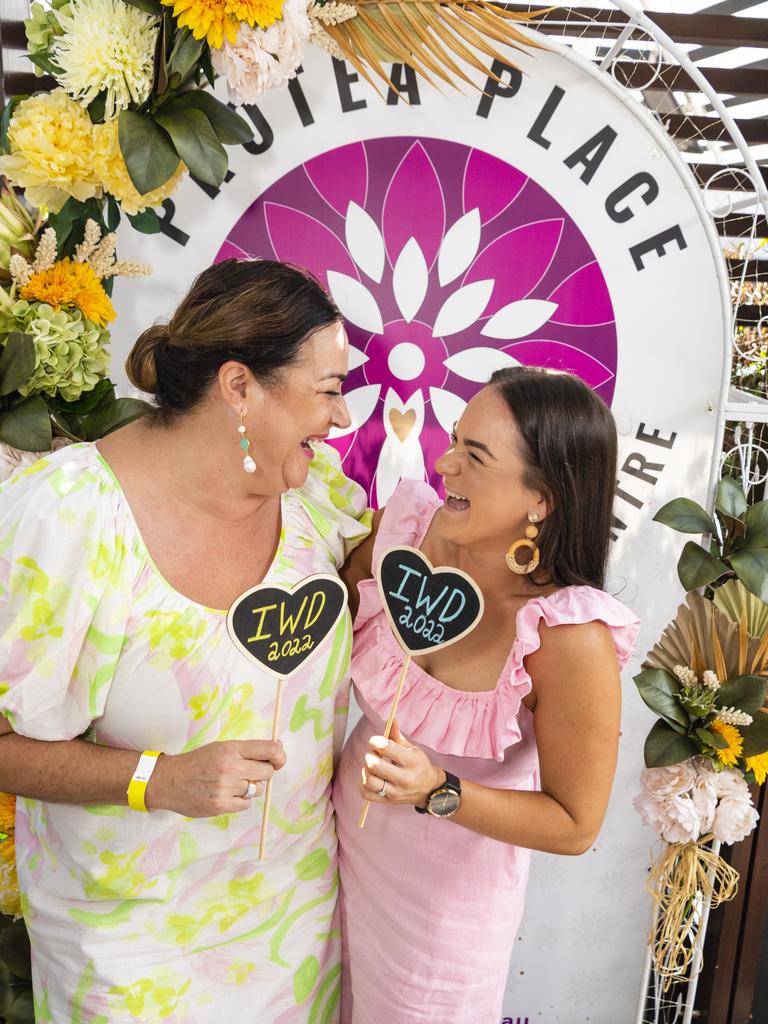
(43, 27)
(71, 353)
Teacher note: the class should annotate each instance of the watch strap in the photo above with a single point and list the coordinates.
(451, 782)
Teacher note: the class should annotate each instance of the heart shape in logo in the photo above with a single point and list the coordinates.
(402, 422)
(280, 627)
(427, 607)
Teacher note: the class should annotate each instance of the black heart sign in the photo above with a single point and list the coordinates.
(280, 627)
(428, 608)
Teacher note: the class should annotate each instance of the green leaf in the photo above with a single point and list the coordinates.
(103, 391)
(230, 128)
(664, 746)
(747, 693)
(207, 65)
(97, 108)
(729, 498)
(17, 362)
(185, 54)
(711, 739)
(305, 979)
(5, 120)
(113, 213)
(757, 524)
(659, 690)
(755, 736)
(27, 426)
(44, 62)
(696, 566)
(751, 566)
(22, 1010)
(147, 150)
(150, 6)
(147, 221)
(195, 142)
(111, 415)
(685, 516)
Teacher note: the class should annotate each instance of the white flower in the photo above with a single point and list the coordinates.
(680, 820)
(705, 798)
(109, 46)
(649, 809)
(734, 820)
(710, 680)
(686, 675)
(670, 781)
(732, 716)
(264, 58)
(729, 784)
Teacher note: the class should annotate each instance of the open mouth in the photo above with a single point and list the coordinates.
(309, 444)
(456, 501)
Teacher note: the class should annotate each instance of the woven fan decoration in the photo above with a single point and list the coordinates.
(433, 37)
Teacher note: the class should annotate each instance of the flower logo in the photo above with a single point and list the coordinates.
(447, 263)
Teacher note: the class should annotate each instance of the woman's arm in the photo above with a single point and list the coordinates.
(359, 564)
(202, 783)
(576, 718)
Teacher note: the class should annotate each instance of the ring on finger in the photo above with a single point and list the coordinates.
(383, 791)
(251, 791)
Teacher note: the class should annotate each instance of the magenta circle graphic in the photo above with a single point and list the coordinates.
(447, 263)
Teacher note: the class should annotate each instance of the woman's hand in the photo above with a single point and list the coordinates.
(407, 771)
(213, 779)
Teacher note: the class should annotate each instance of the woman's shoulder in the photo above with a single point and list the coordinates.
(407, 515)
(591, 610)
(72, 474)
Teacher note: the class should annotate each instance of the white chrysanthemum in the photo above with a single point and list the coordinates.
(264, 58)
(109, 46)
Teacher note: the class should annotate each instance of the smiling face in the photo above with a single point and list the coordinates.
(487, 499)
(285, 419)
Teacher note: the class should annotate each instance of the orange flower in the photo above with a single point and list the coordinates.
(71, 284)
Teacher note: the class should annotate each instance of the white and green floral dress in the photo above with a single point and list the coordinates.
(156, 917)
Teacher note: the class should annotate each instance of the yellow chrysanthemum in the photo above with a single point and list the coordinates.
(217, 20)
(728, 755)
(50, 139)
(10, 898)
(758, 765)
(71, 284)
(111, 170)
(7, 813)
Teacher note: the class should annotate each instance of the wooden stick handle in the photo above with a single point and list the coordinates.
(388, 729)
(268, 791)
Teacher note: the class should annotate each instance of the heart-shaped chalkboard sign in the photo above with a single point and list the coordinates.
(281, 627)
(428, 608)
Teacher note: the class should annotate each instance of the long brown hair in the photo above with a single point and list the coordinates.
(569, 447)
(257, 312)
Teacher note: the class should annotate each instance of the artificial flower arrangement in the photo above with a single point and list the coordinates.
(707, 680)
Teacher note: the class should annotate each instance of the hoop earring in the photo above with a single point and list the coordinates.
(531, 533)
(248, 464)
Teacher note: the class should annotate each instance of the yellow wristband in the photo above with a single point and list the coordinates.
(137, 787)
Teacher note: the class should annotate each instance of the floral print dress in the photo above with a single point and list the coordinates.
(157, 917)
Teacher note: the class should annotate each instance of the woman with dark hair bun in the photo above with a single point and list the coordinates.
(507, 740)
(118, 561)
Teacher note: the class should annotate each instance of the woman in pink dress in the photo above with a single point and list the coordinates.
(508, 738)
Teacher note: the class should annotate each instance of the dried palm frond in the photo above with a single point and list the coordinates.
(434, 37)
(702, 637)
(736, 602)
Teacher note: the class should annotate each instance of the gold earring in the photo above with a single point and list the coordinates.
(248, 464)
(531, 533)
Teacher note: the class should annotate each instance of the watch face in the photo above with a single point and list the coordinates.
(444, 803)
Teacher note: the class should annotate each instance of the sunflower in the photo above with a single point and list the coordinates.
(71, 284)
(728, 755)
(758, 765)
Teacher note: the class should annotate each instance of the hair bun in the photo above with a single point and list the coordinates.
(141, 364)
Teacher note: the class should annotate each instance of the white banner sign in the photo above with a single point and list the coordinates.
(549, 222)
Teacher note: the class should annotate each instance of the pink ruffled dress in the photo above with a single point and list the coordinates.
(430, 910)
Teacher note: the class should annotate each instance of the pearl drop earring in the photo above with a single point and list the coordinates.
(248, 464)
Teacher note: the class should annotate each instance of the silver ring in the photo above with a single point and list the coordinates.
(251, 791)
(383, 791)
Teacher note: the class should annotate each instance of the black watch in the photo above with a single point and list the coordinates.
(444, 801)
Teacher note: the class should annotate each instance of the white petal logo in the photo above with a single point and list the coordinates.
(462, 309)
(410, 280)
(518, 319)
(459, 247)
(355, 302)
(364, 241)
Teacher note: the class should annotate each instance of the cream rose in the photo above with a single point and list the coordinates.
(704, 797)
(734, 820)
(673, 780)
(680, 821)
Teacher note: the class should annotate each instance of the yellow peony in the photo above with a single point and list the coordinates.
(217, 20)
(50, 138)
(112, 172)
(758, 765)
(728, 755)
(71, 284)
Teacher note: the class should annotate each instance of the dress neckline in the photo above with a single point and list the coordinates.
(218, 612)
